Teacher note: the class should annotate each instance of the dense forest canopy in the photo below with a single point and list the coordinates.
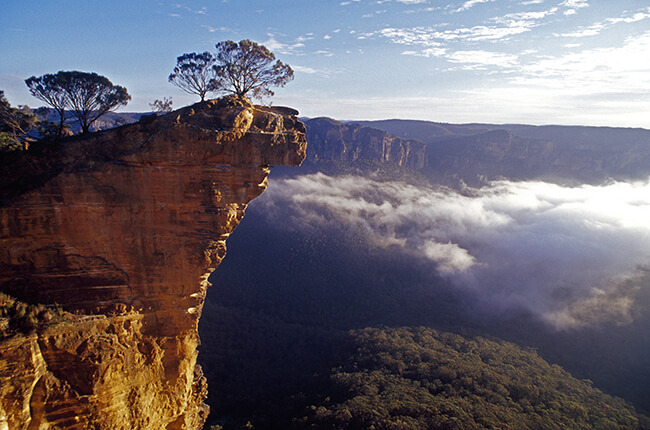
(419, 378)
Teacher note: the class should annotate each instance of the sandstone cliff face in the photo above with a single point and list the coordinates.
(125, 226)
(330, 140)
(555, 153)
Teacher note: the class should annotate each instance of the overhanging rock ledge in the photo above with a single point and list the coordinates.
(123, 228)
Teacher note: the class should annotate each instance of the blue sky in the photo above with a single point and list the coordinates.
(583, 62)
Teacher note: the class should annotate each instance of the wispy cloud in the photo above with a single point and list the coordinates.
(598, 27)
(470, 4)
(526, 16)
(620, 69)
(484, 58)
(470, 60)
(428, 52)
(572, 6)
(216, 29)
(325, 52)
(293, 48)
(303, 69)
(202, 11)
(404, 1)
(429, 36)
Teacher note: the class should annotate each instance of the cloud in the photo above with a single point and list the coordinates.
(573, 5)
(598, 27)
(216, 29)
(504, 28)
(526, 16)
(471, 60)
(569, 255)
(202, 11)
(283, 48)
(303, 69)
(470, 4)
(484, 58)
(324, 52)
(620, 69)
(428, 52)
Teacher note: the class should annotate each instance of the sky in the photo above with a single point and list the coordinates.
(577, 62)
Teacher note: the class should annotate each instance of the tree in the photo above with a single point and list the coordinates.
(194, 74)
(87, 95)
(162, 106)
(249, 68)
(48, 89)
(15, 125)
(90, 96)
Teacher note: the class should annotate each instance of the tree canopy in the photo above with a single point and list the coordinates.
(14, 125)
(48, 89)
(194, 74)
(87, 95)
(243, 69)
(247, 68)
(162, 106)
(19, 126)
(418, 378)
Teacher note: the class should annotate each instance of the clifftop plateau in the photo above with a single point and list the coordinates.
(123, 227)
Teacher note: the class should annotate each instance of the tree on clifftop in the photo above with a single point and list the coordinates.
(91, 95)
(87, 95)
(247, 68)
(48, 88)
(194, 74)
(15, 124)
(162, 106)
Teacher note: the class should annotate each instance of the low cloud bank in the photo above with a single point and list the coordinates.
(573, 256)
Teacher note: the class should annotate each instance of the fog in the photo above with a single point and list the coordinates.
(574, 257)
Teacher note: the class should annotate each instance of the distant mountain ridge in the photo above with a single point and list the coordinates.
(106, 121)
(473, 152)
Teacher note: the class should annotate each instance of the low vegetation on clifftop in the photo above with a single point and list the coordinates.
(20, 317)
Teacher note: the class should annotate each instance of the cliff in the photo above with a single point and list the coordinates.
(554, 153)
(122, 228)
(331, 140)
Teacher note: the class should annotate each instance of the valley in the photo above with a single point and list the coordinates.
(331, 259)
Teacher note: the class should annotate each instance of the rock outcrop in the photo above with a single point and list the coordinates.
(122, 228)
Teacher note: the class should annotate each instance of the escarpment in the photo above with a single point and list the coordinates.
(122, 228)
(331, 140)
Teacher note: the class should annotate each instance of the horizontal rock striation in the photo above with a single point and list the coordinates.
(124, 226)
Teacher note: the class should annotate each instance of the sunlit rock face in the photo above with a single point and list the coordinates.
(125, 226)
